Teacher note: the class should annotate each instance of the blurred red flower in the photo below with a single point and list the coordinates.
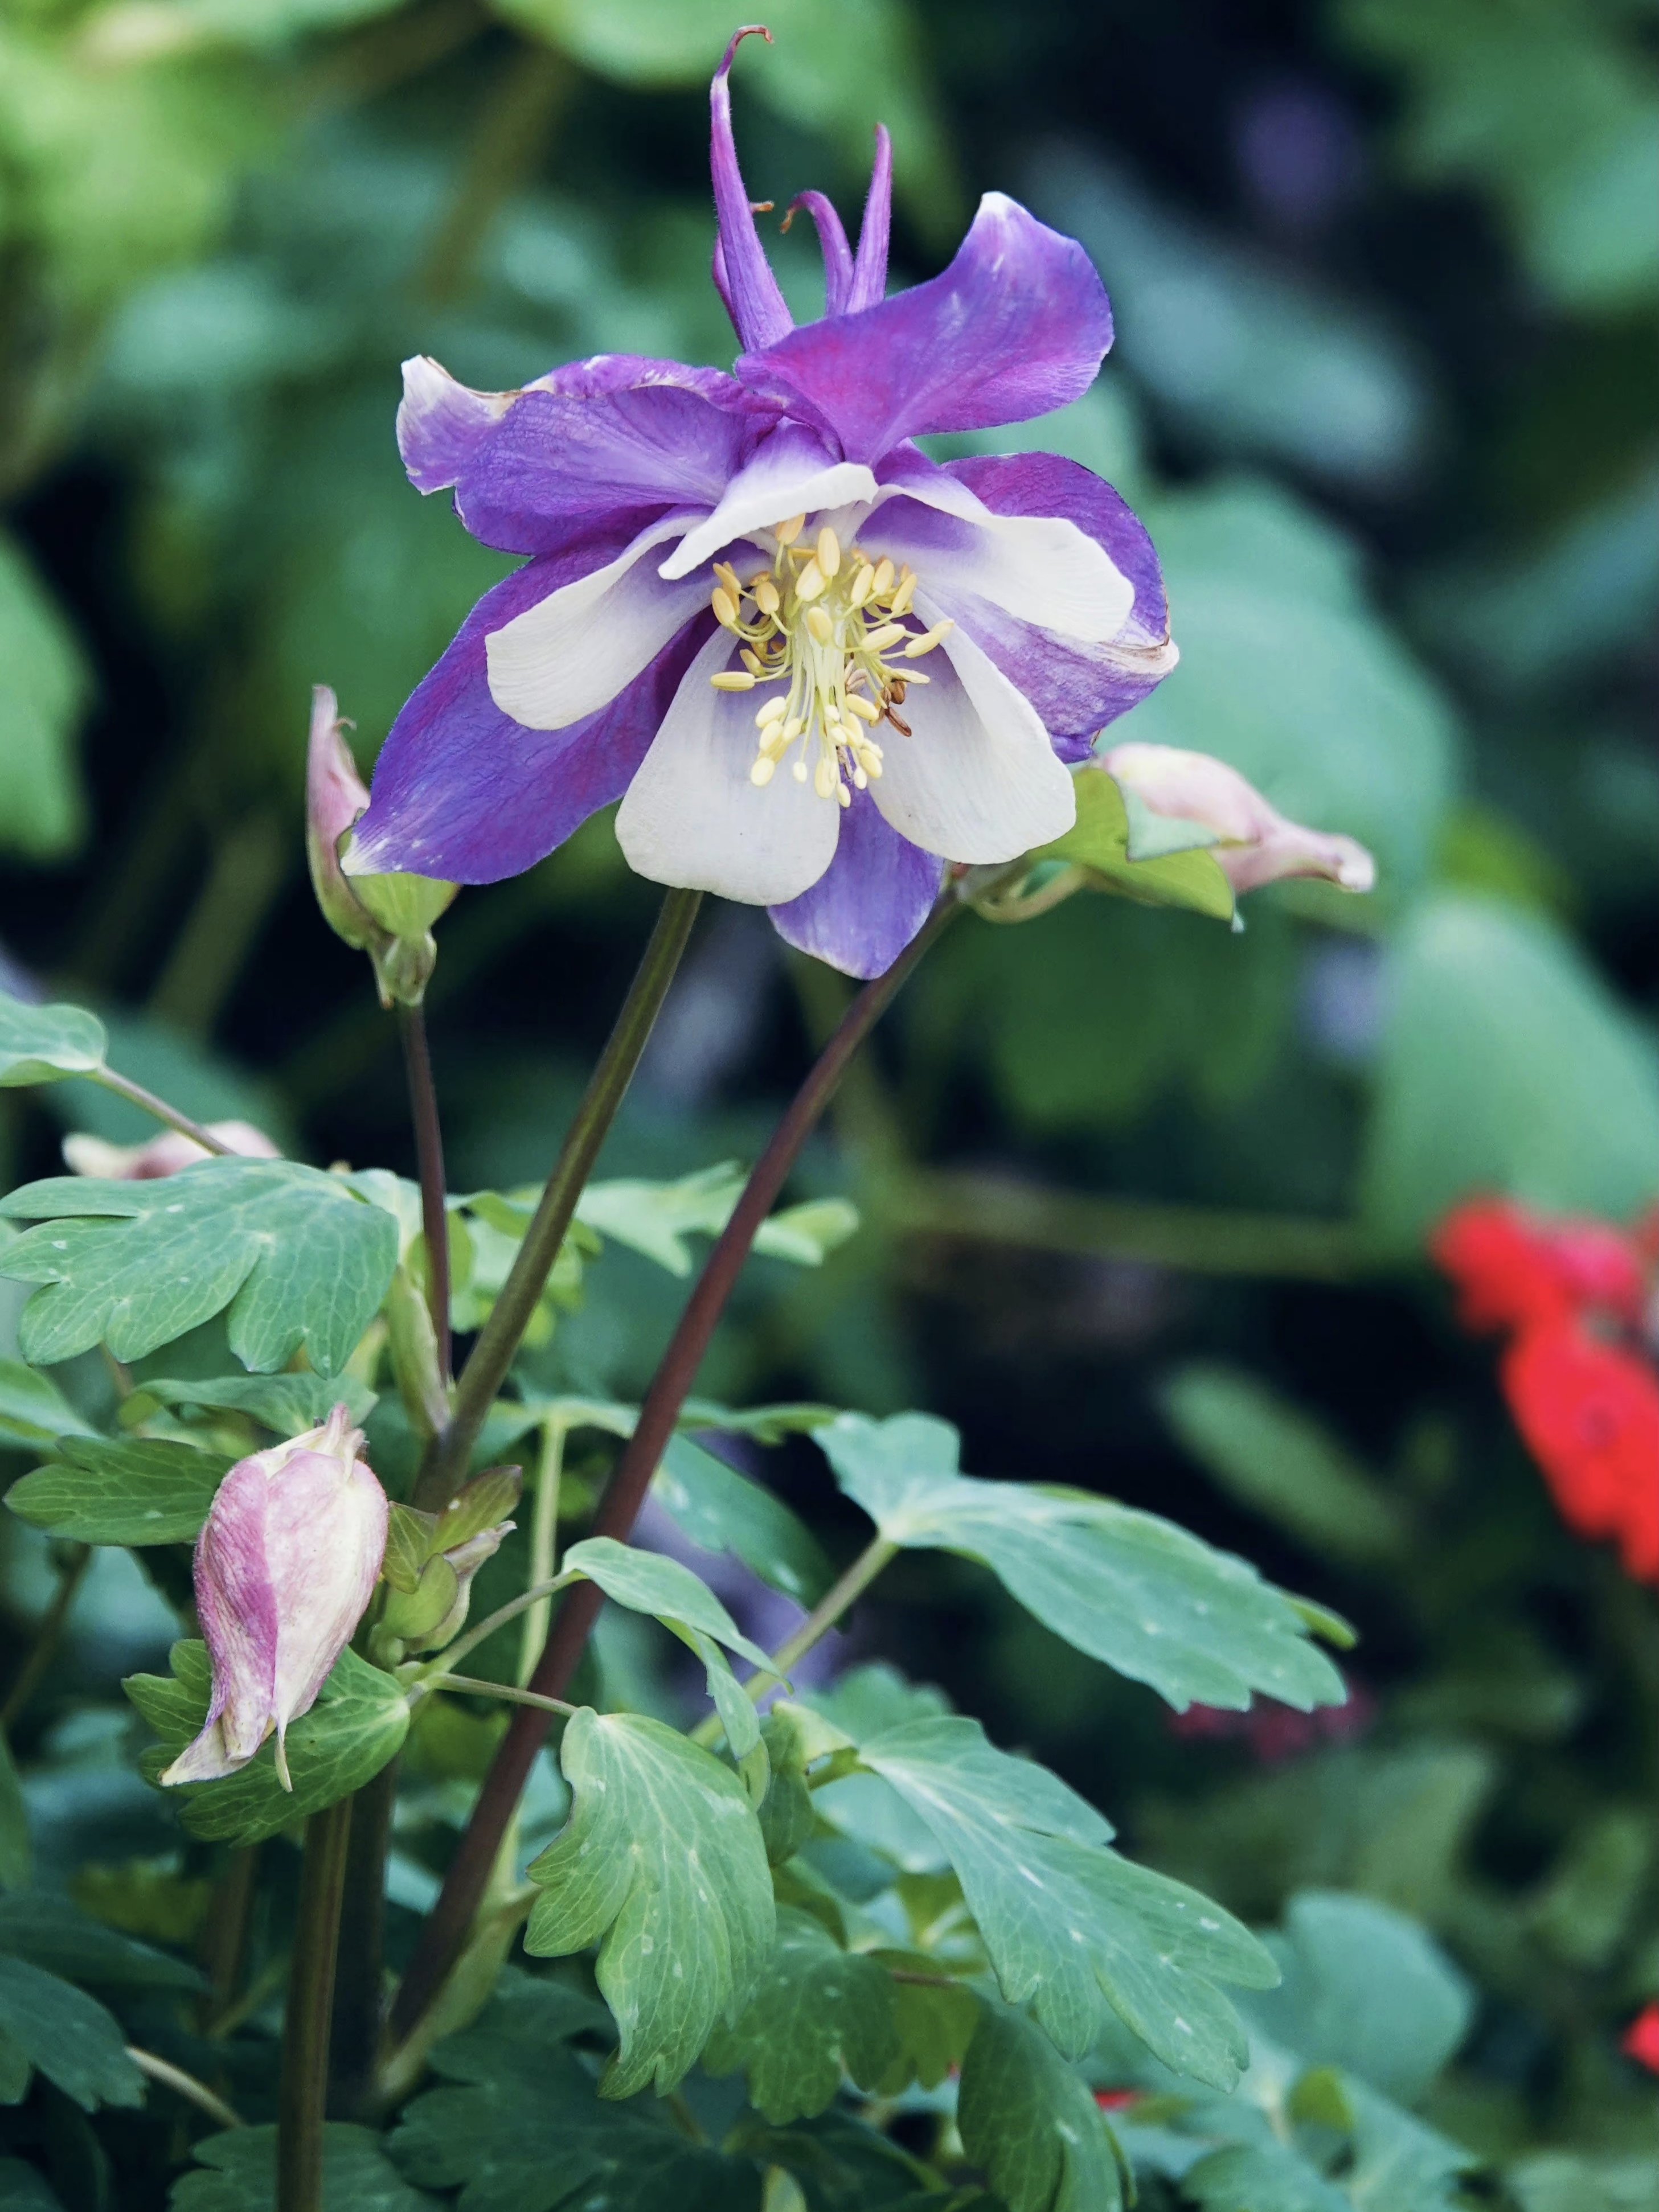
(1641, 2040)
(1512, 1266)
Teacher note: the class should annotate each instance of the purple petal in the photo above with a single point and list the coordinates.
(869, 903)
(1077, 689)
(749, 289)
(832, 240)
(463, 792)
(1017, 325)
(236, 1605)
(612, 441)
(870, 270)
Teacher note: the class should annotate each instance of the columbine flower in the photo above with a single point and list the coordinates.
(814, 665)
(1257, 844)
(285, 1567)
(87, 1155)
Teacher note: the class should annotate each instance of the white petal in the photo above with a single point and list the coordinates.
(978, 781)
(1041, 567)
(576, 650)
(791, 474)
(691, 816)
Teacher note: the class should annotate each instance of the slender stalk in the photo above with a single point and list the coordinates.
(835, 1600)
(47, 1637)
(429, 1166)
(481, 1631)
(304, 2087)
(244, 879)
(512, 133)
(125, 1087)
(544, 1545)
(223, 1947)
(444, 1935)
(474, 1686)
(358, 2012)
(185, 2086)
(498, 1341)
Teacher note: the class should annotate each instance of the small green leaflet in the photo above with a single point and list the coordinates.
(358, 1723)
(647, 1582)
(122, 1490)
(1107, 840)
(816, 2010)
(661, 1863)
(300, 1260)
(49, 1931)
(518, 2128)
(1065, 1922)
(237, 2172)
(655, 1218)
(1245, 2176)
(1032, 2124)
(285, 1404)
(34, 1411)
(48, 2024)
(725, 1511)
(40, 1044)
(1197, 1624)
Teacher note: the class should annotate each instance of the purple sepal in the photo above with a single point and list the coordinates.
(1077, 689)
(463, 792)
(871, 900)
(832, 242)
(1017, 326)
(756, 305)
(869, 283)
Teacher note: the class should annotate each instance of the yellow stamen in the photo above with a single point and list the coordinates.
(728, 576)
(732, 679)
(843, 794)
(928, 639)
(828, 551)
(820, 625)
(867, 708)
(726, 608)
(752, 662)
(787, 532)
(861, 583)
(882, 583)
(811, 581)
(888, 633)
(763, 771)
(905, 593)
(824, 777)
(771, 712)
(766, 596)
(798, 771)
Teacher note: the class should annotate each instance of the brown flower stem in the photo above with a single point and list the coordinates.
(445, 1467)
(47, 1637)
(223, 1948)
(429, 1167)
(304, 2087)
(358, 2011)
(444, 1935)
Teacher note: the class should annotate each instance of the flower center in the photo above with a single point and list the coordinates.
(827, 625)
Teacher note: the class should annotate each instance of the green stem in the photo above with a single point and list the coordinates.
(544, 1545)
(245, 878)
(358, 2011)
(493, 1354)
(46, 1638)
(475, 1687)
(481, 1631)
(125, 1087)
(446, 1935)
(835, 1600)
(224, 1947)
(185, 2086)
(429, 1168)
(304, 2087)
(512, 131)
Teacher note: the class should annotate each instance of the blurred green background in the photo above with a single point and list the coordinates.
(1143, 1202)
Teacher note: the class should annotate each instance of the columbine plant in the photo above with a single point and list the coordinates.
(824, 675)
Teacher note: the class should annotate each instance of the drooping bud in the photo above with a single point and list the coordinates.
(285, 1567)
(431, 1559)
(390, 917)
(87, 1155)
(1257, 844)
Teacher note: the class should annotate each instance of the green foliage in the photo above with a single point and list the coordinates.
(1028, 2120)
(135, 1490)
(34, 1411)
(48, 2025)
(1273, 1457)
(39, 1044)
(1483, 997)
(298, 1259)
(1067, 1924)
(662, 1864)
(1128, 1589)
(46, 694)
(16, 1857)
(1104, 841)
(656, 1218)
(287, 1404)
(358, 1724)
(241, 2174)
(816, 2010)
(724, 1511)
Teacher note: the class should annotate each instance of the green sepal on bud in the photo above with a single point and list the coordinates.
(430, 1561)
(389, 917)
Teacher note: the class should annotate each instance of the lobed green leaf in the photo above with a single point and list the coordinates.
(122, 1490)
(1032, 2124)
(40, 1044)
(817, 2011)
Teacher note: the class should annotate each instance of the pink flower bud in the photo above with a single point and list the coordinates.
(161, 1156)
(334, 796)
(285, 1568)
(1257, 844)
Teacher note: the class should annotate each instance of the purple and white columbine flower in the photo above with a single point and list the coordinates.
(736, 585)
